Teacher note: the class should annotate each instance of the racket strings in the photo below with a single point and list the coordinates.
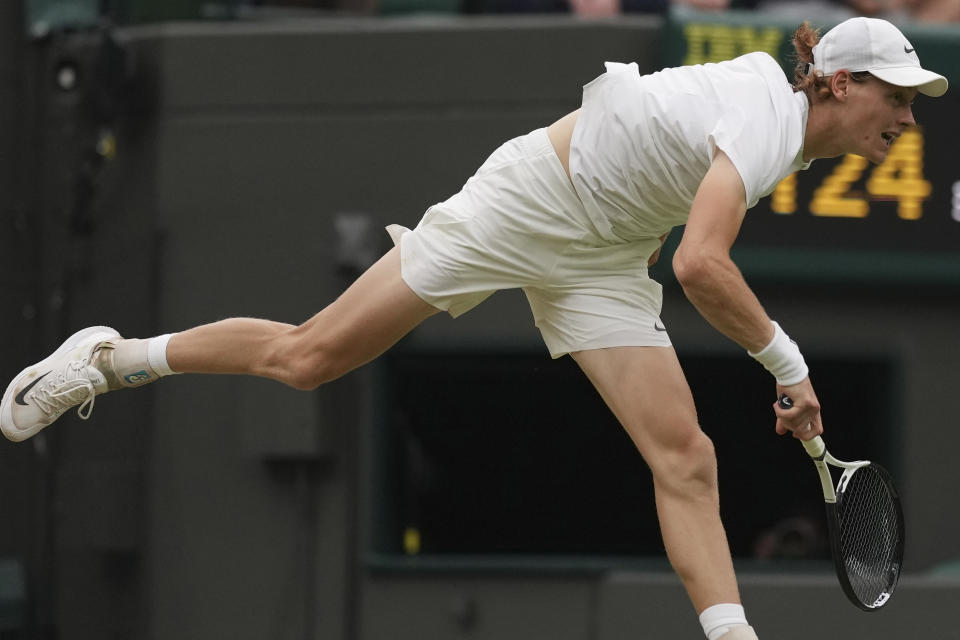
(870, 535)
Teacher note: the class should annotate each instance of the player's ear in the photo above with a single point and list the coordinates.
(840, 84)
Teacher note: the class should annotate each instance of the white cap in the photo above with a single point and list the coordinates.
(874, 45)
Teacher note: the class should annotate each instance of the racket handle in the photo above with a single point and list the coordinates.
(814, 446)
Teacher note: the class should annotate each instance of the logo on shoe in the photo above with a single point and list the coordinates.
(137, 378)
(20, 399)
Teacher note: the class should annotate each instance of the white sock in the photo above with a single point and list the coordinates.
(157, 355)
(134, 362)
(718, 619)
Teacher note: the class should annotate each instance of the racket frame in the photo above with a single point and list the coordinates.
(817, 450)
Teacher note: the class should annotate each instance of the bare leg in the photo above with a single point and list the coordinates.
(646, 389)
(367, 319)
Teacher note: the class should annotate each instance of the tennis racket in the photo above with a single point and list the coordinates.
(865, 523)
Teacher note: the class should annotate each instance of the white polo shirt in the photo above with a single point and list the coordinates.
(642, 144)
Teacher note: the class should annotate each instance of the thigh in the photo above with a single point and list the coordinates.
(647, 391)
(373, 313)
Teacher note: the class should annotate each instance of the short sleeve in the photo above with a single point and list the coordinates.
(752, 140)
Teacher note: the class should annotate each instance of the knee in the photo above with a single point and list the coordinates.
(305, 364)
(687, 466)
(308, 373)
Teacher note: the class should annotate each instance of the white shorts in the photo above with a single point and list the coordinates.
(519, 223)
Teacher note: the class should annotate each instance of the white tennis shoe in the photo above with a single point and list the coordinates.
(43, 392)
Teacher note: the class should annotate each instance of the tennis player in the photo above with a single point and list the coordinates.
(574, 213)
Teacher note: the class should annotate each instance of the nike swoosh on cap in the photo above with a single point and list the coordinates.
(906, 50)
(23, 392)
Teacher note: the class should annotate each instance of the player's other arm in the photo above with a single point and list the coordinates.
(702, 263)
(715, 286)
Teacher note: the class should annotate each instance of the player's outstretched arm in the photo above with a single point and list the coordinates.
(715, 286)
(702, 263)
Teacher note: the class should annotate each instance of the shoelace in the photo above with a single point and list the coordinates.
(66, 390)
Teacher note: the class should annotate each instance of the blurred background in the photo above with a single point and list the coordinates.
(170, 163)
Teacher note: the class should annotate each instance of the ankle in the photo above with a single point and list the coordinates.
(134, 362)
(720, 619)
(157, 354)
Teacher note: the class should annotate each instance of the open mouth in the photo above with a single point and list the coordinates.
(888, 137)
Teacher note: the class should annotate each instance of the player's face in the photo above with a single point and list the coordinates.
(880, 112)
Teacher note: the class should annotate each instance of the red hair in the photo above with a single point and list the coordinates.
(805, 38)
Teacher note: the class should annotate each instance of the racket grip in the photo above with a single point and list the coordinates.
(815, 447)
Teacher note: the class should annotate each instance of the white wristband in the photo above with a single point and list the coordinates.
(782, 358)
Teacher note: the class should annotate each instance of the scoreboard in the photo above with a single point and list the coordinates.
(845, 218)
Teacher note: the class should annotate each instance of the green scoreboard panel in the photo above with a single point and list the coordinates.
(845, 219)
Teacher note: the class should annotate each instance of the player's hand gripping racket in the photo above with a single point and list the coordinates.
(865, 522)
